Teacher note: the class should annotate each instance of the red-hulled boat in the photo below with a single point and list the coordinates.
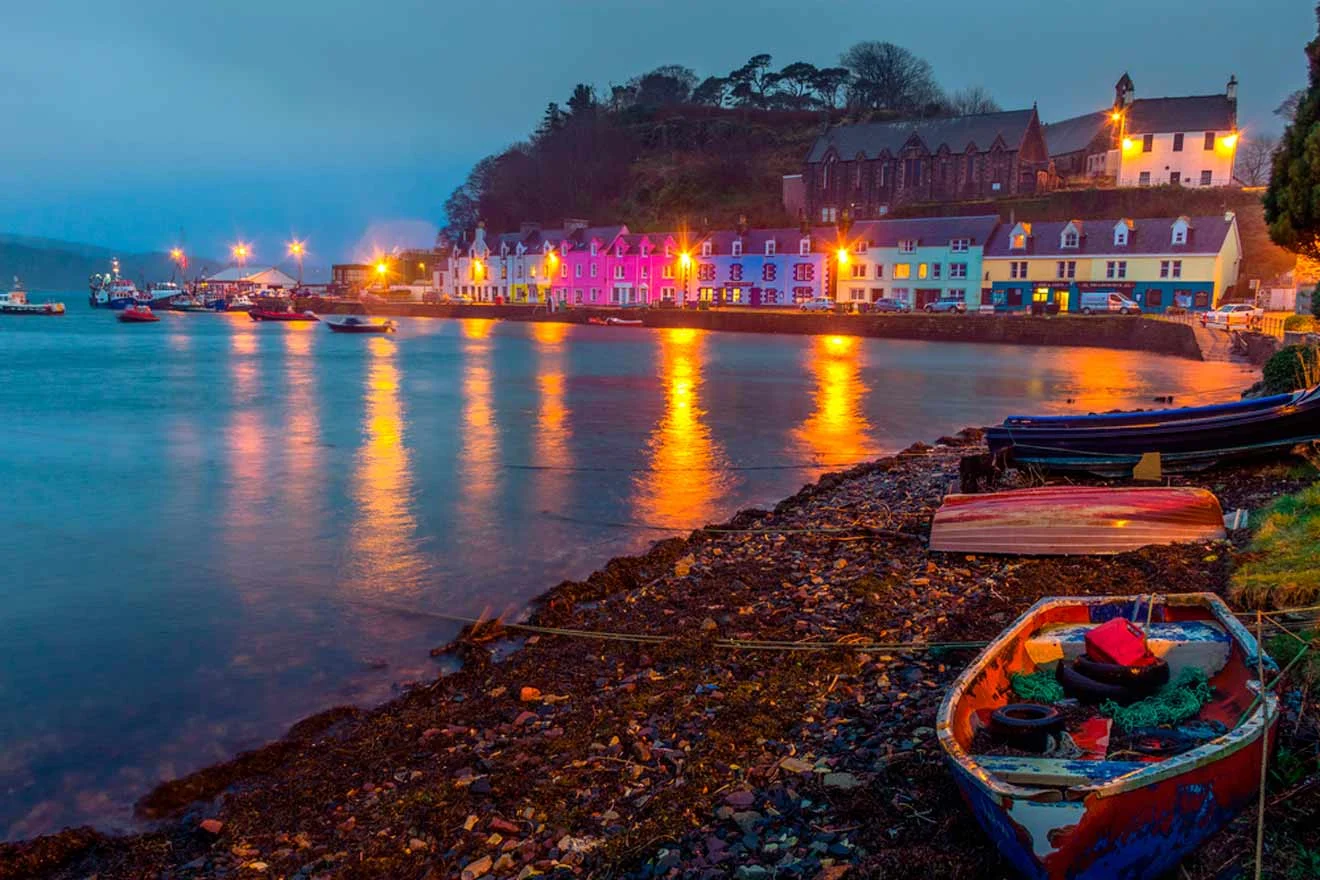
(287, 315)
(138, 315)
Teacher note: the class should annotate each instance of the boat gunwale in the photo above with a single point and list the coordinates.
(1239, 737)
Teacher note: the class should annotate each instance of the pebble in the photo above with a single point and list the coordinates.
(211, 826)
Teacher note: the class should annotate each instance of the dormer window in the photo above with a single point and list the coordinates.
(595, 249)
(959, 246)
(705, 249)
(737, 247)
(1019, 241)
(1121, 235)
(907, 245)
(804, 247)
(1180, 228)
(618, 251)
(667, 253)
(770, 248)
(859, 247)
(1070, 238)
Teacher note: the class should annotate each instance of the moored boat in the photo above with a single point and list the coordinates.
(1187, 439)
(1093, 520)
(186, 302)
(259, 314)
(162, 292)
(15, 302)
(138, 314)
(108, 290)
(623, 322)
(355, 324)
(238, 303)
(1140, 813)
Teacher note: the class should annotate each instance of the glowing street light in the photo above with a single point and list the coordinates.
(241, 252)
(476, 269)
(843, 256)
(685, 259)
(297, 249)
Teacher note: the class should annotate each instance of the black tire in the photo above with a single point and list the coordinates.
(1086, 311)
(1123, 311)
(1147, 679)
(1027, 726)
(1089, 691)
(930, 308)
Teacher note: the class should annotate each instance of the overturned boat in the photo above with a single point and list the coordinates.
(1186, 439)
(1067, 520)
(1139, 813)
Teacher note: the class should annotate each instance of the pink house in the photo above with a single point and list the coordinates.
(614, 267)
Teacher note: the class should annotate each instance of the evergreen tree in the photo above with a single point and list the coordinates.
(1292, 202)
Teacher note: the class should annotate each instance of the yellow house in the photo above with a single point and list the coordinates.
(1180, 262)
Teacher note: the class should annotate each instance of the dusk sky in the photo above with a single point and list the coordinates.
(129, 123)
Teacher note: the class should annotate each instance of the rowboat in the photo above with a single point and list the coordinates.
(623, 322)
(138, 314)
(1057, 520)
(1136, 815)
(1187, 439)
(354, 324)
(275, 315)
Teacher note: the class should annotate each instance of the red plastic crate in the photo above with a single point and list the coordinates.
(1118, 641)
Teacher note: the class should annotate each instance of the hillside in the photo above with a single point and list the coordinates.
(50, 264)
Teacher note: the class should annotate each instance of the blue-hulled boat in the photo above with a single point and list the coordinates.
(1187, 439)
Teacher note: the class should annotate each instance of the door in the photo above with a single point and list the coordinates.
(1061, 297)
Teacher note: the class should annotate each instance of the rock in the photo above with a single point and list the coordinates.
(529, 695)
(211, 826)
(747, 820)
(684, 566)
(417, 845)
(525, 718)
(793, 765)
(741, 799)
(842, 781)
(709, 625)
(478, 868)
(259, 867)
(498, 824)
(752, 872)
(347, 825)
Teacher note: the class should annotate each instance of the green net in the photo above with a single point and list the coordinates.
(1038, 687)
(1174, 704)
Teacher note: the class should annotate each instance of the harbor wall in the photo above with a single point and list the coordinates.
(1128, 333)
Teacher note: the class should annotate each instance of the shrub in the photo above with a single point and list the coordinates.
(1290, 368)
(1299, 323)
(1284, 570)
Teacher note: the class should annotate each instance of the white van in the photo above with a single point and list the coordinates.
(1093, 301)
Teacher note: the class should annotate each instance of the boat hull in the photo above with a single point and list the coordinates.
(264, 315)
(360, 328)
(1092, 520)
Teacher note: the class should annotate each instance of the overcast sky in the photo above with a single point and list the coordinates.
(131, 123)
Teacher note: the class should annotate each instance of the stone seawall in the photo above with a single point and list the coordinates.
(1118, 332)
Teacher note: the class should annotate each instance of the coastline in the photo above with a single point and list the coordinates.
(1124, 333)
(588, 755)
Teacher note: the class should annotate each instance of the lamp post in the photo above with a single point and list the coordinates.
(551, 264)
(382, 270)
(240, 253)
(685, 265)
(180, 259)
(297, 249)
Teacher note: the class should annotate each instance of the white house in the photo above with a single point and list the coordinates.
(1189, 141)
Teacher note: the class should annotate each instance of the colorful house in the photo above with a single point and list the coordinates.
(918, 261)
(1184, 262)
(760, 267)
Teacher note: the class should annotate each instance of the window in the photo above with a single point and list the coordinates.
(1020, 241)
(902, 270)
(595, 294)
(1116, 269)
(1175, 178)
(1154, 299)
(1176, 269)
(935, 269)
(859, 270)
(737, 248)
(1179, 233)
(667, 271)
(1144, 179)
(1177, 142)
(531, 272)
(618, 272)
(957, 270)
(879, 270)
(1209, 140)
(705, 249)
(1121, 235)
(857, 294)
(859, 246)
(1017, 269)
(829, 215)
(1013, 296)
(958, 246)
(643, 271)
(577, 295)
(769, 271)
(667, 253)
(907, 245)
(667, 294)
(595, 270)
(902, 294)
(618, 251)
(1205, 178)
(577, 270)
(595, 248)
(770, 248)
(923, 270)
(1070, 238)
(1147, 143)
(959, 295)
(804, 247)
(1164, 268)
(563, 270)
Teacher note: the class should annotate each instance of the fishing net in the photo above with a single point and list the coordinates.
(1038, 687)
(1175, 703)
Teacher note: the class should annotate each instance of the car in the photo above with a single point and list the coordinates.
(887, 304)
(1093, 301)
(1232, 315)
(819, 304)
(946, 305)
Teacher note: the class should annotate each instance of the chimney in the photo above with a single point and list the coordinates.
(1232, 88)
(803, 225)
(479, 239)
(742, 224)
(845, 221)
(1124, 91)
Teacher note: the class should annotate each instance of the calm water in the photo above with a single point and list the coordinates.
(209, 525)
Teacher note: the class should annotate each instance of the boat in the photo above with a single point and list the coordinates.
(1187, 439)
(1093, 520)
(600, 322)
(162, 292)
(355, 324)
(623, 322)
(108, 290)
(238, 303)
(261, 314)
(15, 302)
(138, 314)
(1139, 814)
(186, 302)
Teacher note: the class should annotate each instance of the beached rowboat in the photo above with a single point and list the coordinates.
(1134, 817)
(1057, 520)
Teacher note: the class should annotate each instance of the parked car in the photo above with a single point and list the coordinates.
(1232, 315)
(946, 305)
(819, 304)
(888, 304)
(1093, 301)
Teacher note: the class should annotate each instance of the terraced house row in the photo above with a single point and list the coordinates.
(979, 261)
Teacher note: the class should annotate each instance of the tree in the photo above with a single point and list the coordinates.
(1253, 159)
(713, 92)
(830, 83)
(889, 77)
(463, 207)
(971, 100)
(663, 87)
(797, 84)
(1287, 108)
(1292, 208)
(583, 102)
(750, 84)
(552, 121)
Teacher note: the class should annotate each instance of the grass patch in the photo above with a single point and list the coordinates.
(1284, 570)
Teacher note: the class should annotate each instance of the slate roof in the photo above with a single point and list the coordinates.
(1075, 134)
(926, 231)
(957, 132)
(1192, 113)
(786, 240)
(1147, 237)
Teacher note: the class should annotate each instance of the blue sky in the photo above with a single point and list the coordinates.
(130, 123)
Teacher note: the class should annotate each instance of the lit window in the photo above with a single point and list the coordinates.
(902, 270)
(1019, 242)
(923, 270)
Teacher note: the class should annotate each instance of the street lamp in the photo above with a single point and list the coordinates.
(241, 252)
(180, 259)
(685, 263)
(297, 249)
(382, 269)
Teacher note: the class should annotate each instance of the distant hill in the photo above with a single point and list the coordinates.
(50, 264)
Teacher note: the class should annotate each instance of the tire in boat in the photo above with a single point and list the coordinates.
(1147, 679)
(1027, 726)
(1089, 691)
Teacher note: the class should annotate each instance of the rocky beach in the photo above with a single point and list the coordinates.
(756, 700)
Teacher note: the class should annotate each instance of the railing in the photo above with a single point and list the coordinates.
(1272, 325)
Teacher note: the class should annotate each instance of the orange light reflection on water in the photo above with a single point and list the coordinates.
(688, 472)
(479, 454)
(301, 441)
(837, 429)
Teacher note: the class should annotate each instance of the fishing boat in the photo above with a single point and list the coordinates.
(1140, 813)
(186, 302)
(108, 290)
(1093, 520)
(162, 292)
(355, 324)
(15, 302)
(1186, 439)
(138, 314)
(260, 314)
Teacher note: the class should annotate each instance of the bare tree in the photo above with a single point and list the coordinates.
(1254, 158)
(971, 100)
(1287, 109)
(889, 77)
(830, 81)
